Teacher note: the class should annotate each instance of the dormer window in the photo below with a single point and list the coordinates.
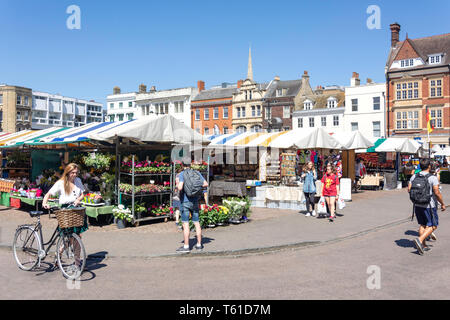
(331, 102)
(279, 92)
(434, 59)
(307, 105)
(407, 63)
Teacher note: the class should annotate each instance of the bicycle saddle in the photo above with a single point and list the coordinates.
(34, 214)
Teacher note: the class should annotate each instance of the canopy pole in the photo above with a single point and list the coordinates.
(116, 187)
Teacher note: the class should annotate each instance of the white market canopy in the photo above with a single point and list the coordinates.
(352, 140)
(153, 128)
(443, 152)
(402, 145)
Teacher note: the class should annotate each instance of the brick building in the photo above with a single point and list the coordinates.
(417, 78)
(211, 110)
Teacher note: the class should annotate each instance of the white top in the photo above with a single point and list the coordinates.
(58, 188)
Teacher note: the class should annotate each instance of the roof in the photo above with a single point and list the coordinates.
(219, 93)
(424, 47)
(292, 88)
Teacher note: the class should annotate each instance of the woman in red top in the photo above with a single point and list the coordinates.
(330, 189)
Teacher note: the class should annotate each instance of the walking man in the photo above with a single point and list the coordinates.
(191, 185)
(424, 193)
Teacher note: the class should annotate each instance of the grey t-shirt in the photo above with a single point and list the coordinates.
(433, 181)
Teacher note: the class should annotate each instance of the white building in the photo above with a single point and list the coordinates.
(50, 110)
(365, 107)
(121, 106)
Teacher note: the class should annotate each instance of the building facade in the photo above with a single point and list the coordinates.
(121, 106)
(418, 79)
(323, 107)
(54, 110)
(211, 110)
(365, 107)
(279, 103)
(15, 108)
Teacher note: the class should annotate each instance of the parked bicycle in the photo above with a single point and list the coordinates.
(29, 247)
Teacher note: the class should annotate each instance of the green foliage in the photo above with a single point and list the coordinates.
(122, 213)
(98, 161)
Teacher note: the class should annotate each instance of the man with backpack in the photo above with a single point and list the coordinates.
(424, 192)
(191, 185)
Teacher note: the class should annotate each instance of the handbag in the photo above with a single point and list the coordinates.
(322, 206)
(341, 203)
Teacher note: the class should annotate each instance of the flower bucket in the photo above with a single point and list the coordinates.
(121, 224)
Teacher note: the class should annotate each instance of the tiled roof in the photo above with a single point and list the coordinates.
(211, 94)
(292, 88)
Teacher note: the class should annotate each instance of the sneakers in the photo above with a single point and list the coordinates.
(433, 236)
(199, 247)
(418, 246)
(313, 213)
(182, 249)
(308, 214)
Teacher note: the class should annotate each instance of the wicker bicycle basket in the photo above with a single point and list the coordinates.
(68, 218)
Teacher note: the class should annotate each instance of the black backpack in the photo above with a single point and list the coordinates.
(193, 183)
(420, 193)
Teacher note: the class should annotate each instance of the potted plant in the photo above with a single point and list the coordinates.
(236, 209)
(122, 215)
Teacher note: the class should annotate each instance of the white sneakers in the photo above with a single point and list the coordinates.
(309, 214)
(314, 213)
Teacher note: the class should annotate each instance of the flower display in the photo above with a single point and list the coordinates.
(160, 210)
(122, 213)
(92, 198)
(143, 188)
(154, 167)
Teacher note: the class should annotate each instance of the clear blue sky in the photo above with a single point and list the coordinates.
(172, 44)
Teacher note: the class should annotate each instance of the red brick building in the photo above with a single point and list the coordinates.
(211, 110)
(417, 78)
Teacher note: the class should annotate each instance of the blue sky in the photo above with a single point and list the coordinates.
(172, 44)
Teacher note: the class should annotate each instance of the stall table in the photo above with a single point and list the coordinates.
(91, 211)
(227, 188)
(30, 201)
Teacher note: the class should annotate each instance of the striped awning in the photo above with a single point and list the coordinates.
(32, 137)
(14, 136)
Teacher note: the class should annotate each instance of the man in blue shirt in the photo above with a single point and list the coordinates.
(189, 205)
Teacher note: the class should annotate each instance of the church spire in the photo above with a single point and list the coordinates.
(250, 68)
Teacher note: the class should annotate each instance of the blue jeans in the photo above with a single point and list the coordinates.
(190, 208)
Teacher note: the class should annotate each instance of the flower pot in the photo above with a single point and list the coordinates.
(121, 224)
(211, 225)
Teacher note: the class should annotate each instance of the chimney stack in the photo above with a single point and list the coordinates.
(354, 81)
(395, 34)
(200, 85)
(277, 78)
(239, 83)
(369, 80)
(319, 90)
(116, 90)
(142, 88)
(153, 89)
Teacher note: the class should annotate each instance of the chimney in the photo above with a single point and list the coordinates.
(395, 32)
(153, 89)
(239, 83)
(369, 80)
(354, 81)
(277, 78)
(305, 79)
(200, 85)
(116, 90)
(142, 88)
(319, 90)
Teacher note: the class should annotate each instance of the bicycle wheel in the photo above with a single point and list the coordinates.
(26, 248)
(71, 256)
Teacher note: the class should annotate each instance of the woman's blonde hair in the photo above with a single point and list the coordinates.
(305, 167)
(65, 177)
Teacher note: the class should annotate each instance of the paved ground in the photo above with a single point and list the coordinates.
(268, 228)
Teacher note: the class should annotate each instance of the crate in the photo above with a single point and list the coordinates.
(15, 203)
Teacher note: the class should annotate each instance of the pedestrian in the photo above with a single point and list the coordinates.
(360, 171)
(176, 203)
(191, 182)
(309, 177)
(71, 191)
(330, 189)
(425, 203)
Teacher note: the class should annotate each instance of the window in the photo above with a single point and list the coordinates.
(436, 88)
(253, 111)
(241, 129)
(130, 104)
(238, 112)
(206, 131)
(181, 106)
(18, 116)
(26, 101)
(376, 103)
(376, 129)
(197, 114)
(268, 113)
(407, 120)
(111, 105)
(120, 104)
(407, 90)
(336, 121)
(300, 122)
(258, 111)
(354, 126)
(1, 99)
(1, 115)
(311, 122)
(307, 105)
(225, 112)
(354, 104)
(216, 130)
(436, 118)
(243, 112)
(435, 59)
(19, 99)
(225, 130)
(331, 103)
(120, 117)
(250, 95)
(279, 92)
(166, 108)
(324, 121)
(206, 114)
(407, 63)
(216, 113)
(286, 112)
(256, 128)
(130, 116)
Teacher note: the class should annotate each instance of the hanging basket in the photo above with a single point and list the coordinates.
(68, 218)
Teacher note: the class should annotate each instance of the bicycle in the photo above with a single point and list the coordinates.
(29, 248)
